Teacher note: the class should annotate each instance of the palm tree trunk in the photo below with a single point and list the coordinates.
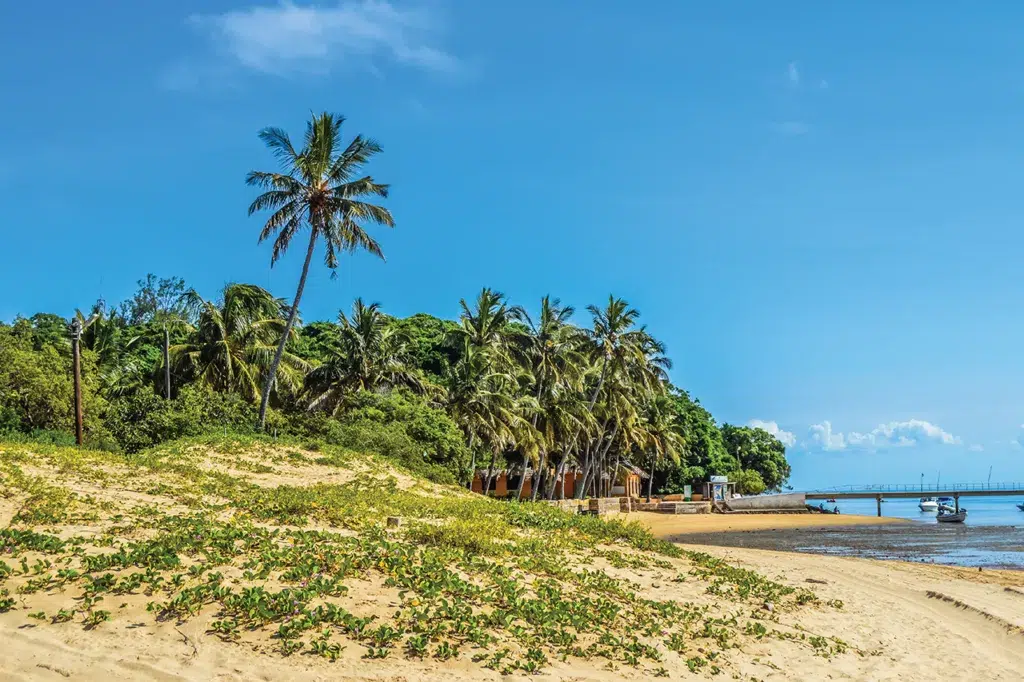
(600, 384)
(536, 480)
(167, 363)
(522, 477)
(490, 471)
(581, 489)
(650, 481)
(615, 471)
(588, 468)
(602, 459)
(292, 314)
(472, 463)
(559, 481)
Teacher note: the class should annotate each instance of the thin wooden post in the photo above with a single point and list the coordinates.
(76, 362)
(167, 363)
(878, 503)
(956, 503)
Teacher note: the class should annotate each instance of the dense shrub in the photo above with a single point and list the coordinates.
(144, 419)
(749, 482)
(399, 426)
(36, 391)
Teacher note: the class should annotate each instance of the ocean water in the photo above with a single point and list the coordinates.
(981, 511)
(992, 536)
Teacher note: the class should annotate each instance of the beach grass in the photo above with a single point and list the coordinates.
(283, 547)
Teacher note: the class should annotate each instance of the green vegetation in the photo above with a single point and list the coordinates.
(268, 543)
(501, 388)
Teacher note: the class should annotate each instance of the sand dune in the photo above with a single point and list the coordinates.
(910, 621)
(867, 620)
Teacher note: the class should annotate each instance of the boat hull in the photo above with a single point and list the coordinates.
(958, 517)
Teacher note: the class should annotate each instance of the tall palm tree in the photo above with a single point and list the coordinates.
(481, 398)
(661, 435)
(319, 187)
(486, 325)
(552, 354)
(235, 340)
(629, 361)
(371, 356)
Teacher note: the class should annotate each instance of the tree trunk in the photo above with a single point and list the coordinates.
(615, 472)
(472, 461)
(602, 457)
(292, 314)
(600, 384)
(539, 477)
(76, 362)
(650, 481)
(167, 363)
(490, 471)
(522, 478)
(581, 489)
(559, 481)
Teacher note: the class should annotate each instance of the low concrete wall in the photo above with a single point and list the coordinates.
(572, 506)
(600, 506)
(787, 501)
(674, 507)
(603, 505)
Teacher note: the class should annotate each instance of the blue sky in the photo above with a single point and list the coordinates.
(818, 208)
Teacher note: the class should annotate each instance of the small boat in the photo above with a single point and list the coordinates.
(952, 517)
(948, 501)
(1020, 506)
(831, 500)
(928, 504)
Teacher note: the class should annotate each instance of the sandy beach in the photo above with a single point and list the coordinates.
(907, 621)
(671, 526)
(863, 619)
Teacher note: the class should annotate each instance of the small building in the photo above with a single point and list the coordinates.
(628, 483)
(719, 489)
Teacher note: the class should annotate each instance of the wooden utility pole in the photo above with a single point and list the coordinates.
(167, 363)
(76, 361)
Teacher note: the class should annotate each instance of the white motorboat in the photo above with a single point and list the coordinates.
(952, 517)
(928, 504)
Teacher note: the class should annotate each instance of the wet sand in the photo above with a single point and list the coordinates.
(976, 547)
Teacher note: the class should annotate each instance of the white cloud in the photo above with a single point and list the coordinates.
(894, 434)
(793, 72)
(787, 438)
(822, 436)
(288, 38)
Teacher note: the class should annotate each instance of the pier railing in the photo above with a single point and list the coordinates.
(882, 488)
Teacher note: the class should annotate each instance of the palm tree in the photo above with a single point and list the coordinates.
(235, 340)
(481, 399)
(628, 361)
(486, 325)
(661, 436)
(372, 356)
(320, 187)
(551, 353)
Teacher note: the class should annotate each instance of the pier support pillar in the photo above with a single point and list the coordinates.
(956, 503)
(878, 503)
